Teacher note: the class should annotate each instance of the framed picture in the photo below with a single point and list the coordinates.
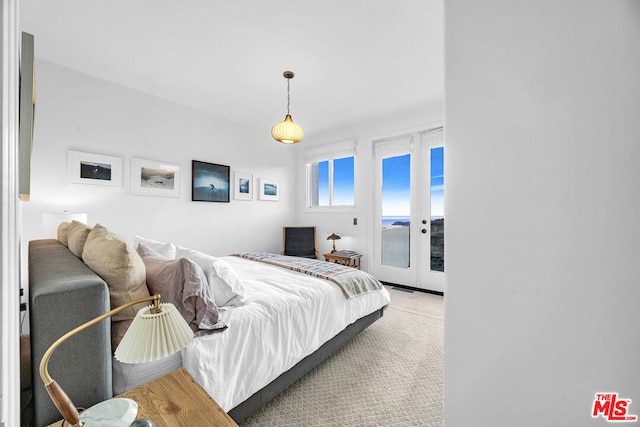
(27, 113)
(269, 189)
(210, 182)
(153, 178)
(95, 169)
(242, 186)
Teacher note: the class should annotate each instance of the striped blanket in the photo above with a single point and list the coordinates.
(352, 281)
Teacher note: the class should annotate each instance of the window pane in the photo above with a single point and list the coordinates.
(396, 205)
(343, 187)
(323, 183)
(437, 209)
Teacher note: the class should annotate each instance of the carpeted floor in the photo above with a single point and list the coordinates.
(390, 374)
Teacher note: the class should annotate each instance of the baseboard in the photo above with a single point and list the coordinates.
(412, 288)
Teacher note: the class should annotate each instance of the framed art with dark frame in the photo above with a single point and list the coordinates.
(153, 178)
(209, 182)
(95, 169)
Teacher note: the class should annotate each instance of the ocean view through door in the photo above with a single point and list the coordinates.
(409, 221)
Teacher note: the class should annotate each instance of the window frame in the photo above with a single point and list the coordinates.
(330, 153)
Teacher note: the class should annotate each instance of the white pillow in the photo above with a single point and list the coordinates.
(225, 284)
(167, 250)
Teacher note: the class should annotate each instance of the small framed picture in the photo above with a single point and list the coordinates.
(154, 178)
(242, 186)
(269, 189)
(95, 169)
(209, 182)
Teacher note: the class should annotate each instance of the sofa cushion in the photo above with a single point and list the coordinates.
(63, 227)
(76, 237)
(115, 260)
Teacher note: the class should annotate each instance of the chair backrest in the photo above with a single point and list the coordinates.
(299, 241)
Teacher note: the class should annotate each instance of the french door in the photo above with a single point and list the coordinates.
(409, 210)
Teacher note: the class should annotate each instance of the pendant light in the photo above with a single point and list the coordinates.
(287, 131)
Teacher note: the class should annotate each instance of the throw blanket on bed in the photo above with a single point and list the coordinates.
(352, 282)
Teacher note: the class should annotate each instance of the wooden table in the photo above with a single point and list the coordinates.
(349, 258)
(176, 400)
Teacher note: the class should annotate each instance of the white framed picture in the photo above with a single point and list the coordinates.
(94, 169)
(242, 186)
(269, 189)
(155, 178)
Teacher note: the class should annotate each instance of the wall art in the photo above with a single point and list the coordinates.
(210, 182)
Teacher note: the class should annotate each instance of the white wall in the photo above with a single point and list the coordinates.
(542, 123)
(75, 111)
(358, 237)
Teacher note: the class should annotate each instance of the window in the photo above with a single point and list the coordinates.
(331, 175)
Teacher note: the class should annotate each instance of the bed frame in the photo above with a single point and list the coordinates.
(275, 387)
(65, 293)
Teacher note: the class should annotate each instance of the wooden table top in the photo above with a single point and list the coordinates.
(176, 400)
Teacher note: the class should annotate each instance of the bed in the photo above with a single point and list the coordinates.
(278, 326)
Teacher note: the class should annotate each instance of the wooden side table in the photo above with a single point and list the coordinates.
(176, 400)
(348, 258)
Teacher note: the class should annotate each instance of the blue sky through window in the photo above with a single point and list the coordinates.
(437, 182)
(343, 188)
(323, 183)
(396, 176)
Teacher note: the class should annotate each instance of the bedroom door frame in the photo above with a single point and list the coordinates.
(11, 218)
(416, 143)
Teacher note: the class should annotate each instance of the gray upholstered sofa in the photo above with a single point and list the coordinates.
(63, 294)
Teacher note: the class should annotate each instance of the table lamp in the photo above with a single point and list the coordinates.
(333, 239)
(157, 331)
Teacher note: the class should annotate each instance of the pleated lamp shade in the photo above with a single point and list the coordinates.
(287, 131)
(152, 336)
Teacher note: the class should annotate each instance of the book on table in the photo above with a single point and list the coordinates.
(346, 254)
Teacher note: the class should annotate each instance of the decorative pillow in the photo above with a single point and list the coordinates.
(77, 236)
(167, 250)
(113, 259)
(227, 288)
(182, 283)
(63, 227)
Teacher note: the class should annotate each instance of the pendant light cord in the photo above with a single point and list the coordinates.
(288, 96)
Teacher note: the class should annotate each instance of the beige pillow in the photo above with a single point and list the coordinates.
(113, 259)
(76, 237)
(63, 227)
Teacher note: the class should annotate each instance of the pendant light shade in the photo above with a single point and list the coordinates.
(287, 131)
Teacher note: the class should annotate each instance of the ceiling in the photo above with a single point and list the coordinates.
(354, 59)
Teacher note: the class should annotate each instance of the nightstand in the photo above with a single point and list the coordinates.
(176, 400)
(348, 258)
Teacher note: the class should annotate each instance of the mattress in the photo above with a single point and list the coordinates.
(287, 316)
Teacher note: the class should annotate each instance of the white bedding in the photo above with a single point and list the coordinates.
(287, 316)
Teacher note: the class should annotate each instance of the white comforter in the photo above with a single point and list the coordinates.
(287, 316)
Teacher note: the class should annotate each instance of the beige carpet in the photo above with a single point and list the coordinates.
(391, 374)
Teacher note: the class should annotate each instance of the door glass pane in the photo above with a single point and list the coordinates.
(343, 188)
(396, 205)
(437, 209)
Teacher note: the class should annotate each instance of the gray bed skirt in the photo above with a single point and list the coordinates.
(275, 387)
